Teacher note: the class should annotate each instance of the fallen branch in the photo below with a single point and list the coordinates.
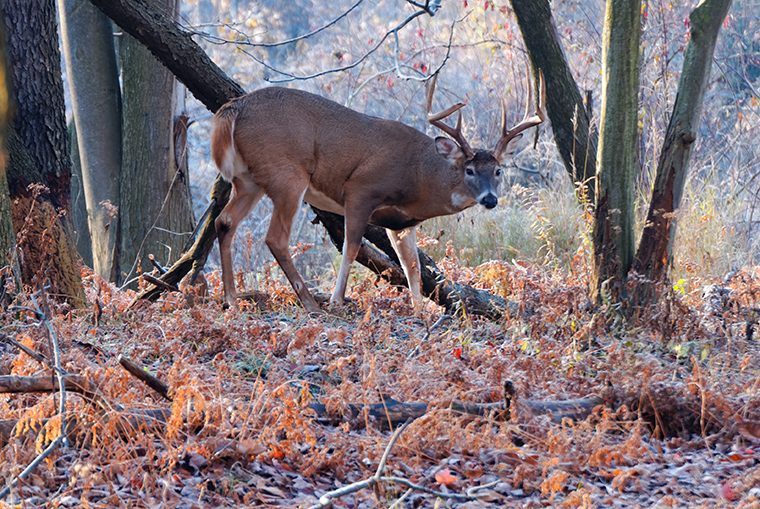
(25, 384)
(145, 377)
(159, 283)
(390, 413)
(31, 353)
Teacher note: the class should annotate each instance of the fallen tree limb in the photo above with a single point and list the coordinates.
(175, 48)
(455, 297)
(145, 377)
(385, 415)
(128, 420)
(391, 413)
(74, 383)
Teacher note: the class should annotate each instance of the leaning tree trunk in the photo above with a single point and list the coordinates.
(577, 144)
(96, 104)
(613, 221)
(655, 251)
(213, 88)
(156, 214)
(39, 165)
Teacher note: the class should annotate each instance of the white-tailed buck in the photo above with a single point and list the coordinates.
(294, 146)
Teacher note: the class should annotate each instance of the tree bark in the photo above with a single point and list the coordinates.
(613, 222)
(78, 205)
(96, 104)
(564, 104)
(154, 189)
(655, 251)
(7, 235)
(38, 150)
(191, 65)
(174, 48)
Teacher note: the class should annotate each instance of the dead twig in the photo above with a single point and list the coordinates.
(43, 312)
(327, 499)
(31, 353)
(30, 468)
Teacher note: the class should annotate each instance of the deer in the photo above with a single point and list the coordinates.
(295, 146)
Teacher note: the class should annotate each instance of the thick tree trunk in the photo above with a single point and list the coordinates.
(38, 150)
(191, 65)
(96, 103)
(564, 104)
(655, 250)
(617, 161)
(154, 189)
(7, 235)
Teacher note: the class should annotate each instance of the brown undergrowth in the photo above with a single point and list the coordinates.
(680, 425)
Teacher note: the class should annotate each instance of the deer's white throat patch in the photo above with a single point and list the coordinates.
(461, 201)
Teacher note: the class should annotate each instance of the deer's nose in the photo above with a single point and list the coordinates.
(489, 201)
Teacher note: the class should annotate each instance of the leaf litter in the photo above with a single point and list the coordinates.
(679, 427)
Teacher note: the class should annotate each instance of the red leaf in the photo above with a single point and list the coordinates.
(444, 477)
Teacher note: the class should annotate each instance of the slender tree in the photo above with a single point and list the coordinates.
(577, 143)
(39, 166)
(613, 238)
(655, 251)
(96, 103)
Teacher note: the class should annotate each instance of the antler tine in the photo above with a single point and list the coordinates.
(528, 121)
(436, 119)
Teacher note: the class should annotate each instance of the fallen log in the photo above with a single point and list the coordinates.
(385, 415)
(392, 413)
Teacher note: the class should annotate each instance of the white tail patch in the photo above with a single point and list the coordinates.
(233, 163)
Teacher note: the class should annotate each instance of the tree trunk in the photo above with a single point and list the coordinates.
(96, 103)
(78, 205)
(655, 251)
(195, 69)
(7, 235)
(39, 152)
(564, 104)
(617, 161)
(154, 189)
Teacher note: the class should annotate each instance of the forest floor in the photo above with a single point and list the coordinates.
(678, 424)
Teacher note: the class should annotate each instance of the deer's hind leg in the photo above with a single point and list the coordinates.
(245, 195)
(287, 196)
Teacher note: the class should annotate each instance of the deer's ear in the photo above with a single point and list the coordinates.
(509, 149)
(449, 149)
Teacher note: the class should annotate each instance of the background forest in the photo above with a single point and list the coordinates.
(538, 221)
(556, 401)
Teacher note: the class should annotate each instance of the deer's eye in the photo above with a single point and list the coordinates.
(498, 172)
(470, 171)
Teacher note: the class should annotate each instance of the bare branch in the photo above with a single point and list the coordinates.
(293, 77)
(220, 40)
